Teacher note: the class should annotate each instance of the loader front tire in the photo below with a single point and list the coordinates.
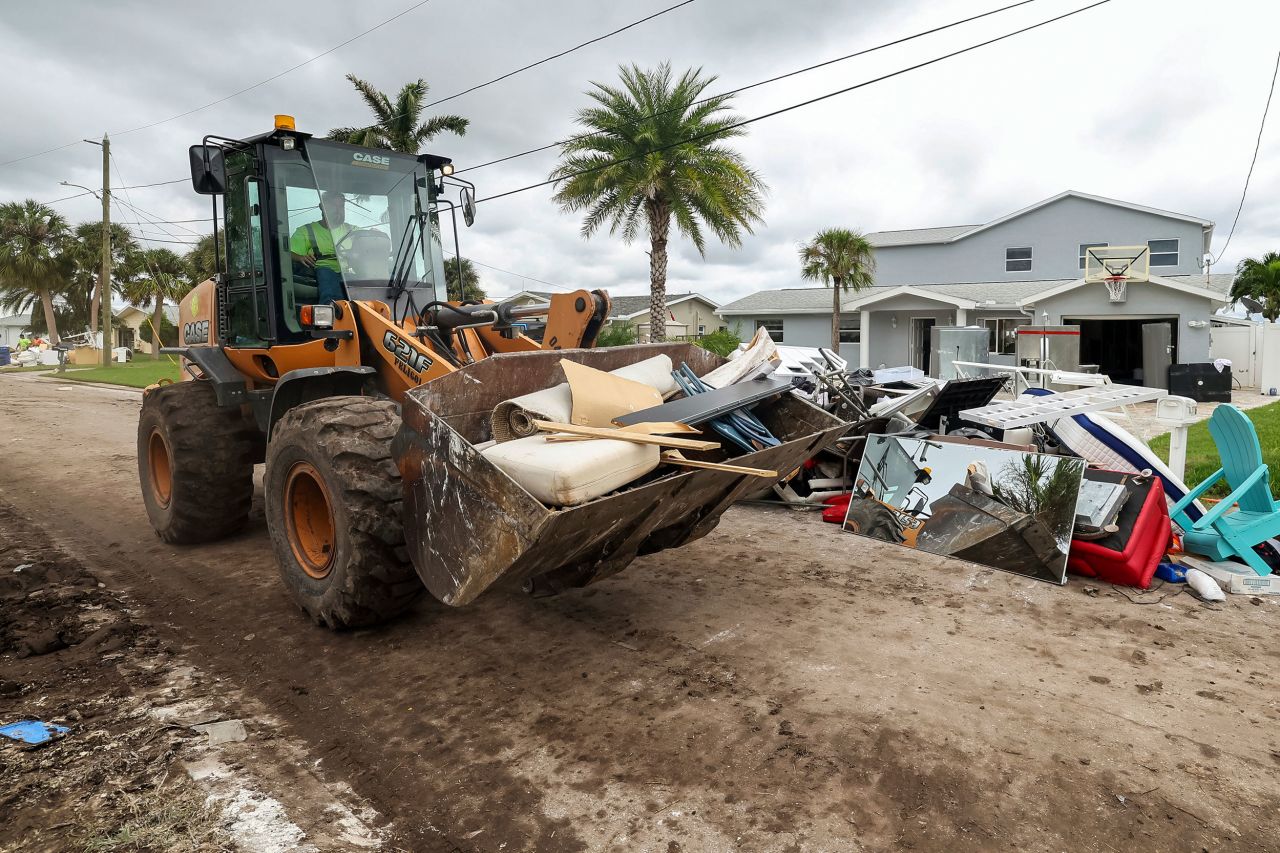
(195, 463)
(333, 504)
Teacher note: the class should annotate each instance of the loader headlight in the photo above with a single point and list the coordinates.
(446, 169)
(316, 316)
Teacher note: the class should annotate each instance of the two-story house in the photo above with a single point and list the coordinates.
(1024, 268)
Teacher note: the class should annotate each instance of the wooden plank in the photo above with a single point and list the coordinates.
(661, 428)
(675, 457)
(633, 437)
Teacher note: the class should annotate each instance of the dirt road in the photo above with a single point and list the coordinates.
(778, 685)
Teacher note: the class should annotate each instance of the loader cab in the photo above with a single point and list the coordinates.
(387, 246)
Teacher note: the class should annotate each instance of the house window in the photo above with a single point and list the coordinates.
(1164, 253)
(773, 327)
(1003, 333)
(850, 335)
(1017, 260)
(702, 330)
(1085, 247)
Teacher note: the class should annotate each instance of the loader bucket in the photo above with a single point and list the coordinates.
(468, 525)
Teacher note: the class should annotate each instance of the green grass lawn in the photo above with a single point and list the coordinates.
(1202, 456)
(137, 374)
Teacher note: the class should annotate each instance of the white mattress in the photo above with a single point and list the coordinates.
(572, 472)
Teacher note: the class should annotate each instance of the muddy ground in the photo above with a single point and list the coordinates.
(778, 685)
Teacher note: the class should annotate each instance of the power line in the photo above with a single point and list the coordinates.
(170, 221)
(68, 198)
(157, 184)
(1257, 145)
(731, 92)
(810, 101)
(555, 56)
(521, 275)
(532, 64)
(233, 94)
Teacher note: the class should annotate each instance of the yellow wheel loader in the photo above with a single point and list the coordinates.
(328, 347)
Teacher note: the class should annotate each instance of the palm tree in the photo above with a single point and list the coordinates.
(1260, 280)
(842, 260)
(652, 154)
(32, 266)
(165, 275)
(84, 253)
(470, 289)
(201, 261)
(397, 126)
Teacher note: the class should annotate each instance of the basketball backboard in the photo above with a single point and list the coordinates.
(1116, 266)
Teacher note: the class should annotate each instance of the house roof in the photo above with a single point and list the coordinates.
(917, 236)
(630, 307)
(978, 294)
(952, 233)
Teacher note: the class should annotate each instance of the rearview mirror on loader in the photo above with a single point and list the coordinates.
(208, 170)
(468, 206)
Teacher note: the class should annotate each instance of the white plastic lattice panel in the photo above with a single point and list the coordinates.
(1025, 411)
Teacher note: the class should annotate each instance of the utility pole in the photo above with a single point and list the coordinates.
(104, 289)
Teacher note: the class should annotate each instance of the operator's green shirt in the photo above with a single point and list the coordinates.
(317, 239)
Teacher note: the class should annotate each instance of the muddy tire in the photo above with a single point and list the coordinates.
(333, 504)
(873, 519)
(195, 463)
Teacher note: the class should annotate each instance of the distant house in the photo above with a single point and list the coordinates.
(130, 321)
(1023, 268)
(11, 327)
(689, 315)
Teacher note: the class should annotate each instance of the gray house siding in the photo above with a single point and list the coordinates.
(1053, 232)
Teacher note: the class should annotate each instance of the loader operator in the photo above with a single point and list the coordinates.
(315, 245)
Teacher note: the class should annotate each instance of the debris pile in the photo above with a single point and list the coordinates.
(1038, 484)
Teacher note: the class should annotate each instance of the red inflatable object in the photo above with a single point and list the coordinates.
(837, 508)
(1129, 557)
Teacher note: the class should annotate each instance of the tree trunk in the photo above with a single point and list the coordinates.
(835, 314)
(157, 317)
(50, 321)
(659, 228)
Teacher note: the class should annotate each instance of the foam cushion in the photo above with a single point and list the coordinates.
(572, 472)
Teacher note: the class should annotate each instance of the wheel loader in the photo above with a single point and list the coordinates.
(328, 347)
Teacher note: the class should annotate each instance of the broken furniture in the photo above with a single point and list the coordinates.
(1129, 554)
(701, 408)
(1107, 445)
(738, 425)
(1221, 533)
(1033, 409)
(568, 474)
(514, 418)
(956, 396)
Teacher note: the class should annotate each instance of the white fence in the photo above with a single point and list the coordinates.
(1254, 351)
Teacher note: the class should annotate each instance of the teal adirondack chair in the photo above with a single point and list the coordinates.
(1220, 534)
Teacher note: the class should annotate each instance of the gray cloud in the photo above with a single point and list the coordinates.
(1168, 120)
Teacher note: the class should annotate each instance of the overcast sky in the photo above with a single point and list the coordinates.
(1150, 101)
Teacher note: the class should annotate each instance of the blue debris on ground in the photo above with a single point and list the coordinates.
(32, 731)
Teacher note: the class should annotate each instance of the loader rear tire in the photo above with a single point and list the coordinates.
(195, 463)
(333, 501)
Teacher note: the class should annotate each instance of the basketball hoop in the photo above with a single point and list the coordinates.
(1116, 287)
